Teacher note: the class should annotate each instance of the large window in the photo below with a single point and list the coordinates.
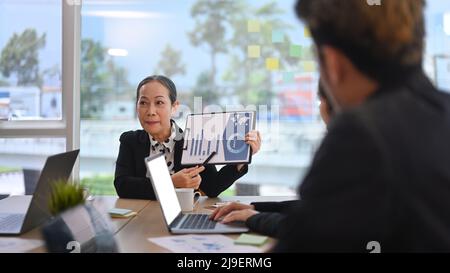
(250, 53)
(38, 102)
(30, 60)
(437, 58)
(220, 54)
(22, 160)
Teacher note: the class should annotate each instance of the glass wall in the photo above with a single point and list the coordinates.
(221, 55)
(21, 162)
(30, 59)
(30, 91)
(437, 58)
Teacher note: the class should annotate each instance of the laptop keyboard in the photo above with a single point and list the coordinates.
(198, 221)
(10, 222)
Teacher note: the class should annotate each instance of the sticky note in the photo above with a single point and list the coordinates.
(248, 239)
(277, 36)
(253, 26)
(295, 51)
(272, 64)
(309, 66)
(121, 213)
(288, 77)
(306, 32)
(254, 51)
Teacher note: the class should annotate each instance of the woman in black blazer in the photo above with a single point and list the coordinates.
(156, 103)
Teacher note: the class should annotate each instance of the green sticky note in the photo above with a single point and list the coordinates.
(295, 51)
(119, 211)
(247, 239)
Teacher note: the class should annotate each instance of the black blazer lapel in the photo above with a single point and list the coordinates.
(178, 148)
(142, 151)
(178, 151)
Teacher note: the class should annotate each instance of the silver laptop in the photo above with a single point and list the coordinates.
(176, 221)
(57, 167)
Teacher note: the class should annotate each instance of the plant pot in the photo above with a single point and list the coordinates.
(81, 229)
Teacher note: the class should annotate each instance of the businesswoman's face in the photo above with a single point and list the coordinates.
(155, 109)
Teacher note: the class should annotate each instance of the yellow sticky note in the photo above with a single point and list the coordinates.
(254, 51)
(272, 64)
(307, 33)
(253, 26)
(309, 66)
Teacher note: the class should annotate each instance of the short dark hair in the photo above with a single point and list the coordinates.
(168, 83)
(385, 41)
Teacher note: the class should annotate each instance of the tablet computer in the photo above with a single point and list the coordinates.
(218, 138)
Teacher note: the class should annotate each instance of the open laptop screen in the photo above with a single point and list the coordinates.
(163, 187)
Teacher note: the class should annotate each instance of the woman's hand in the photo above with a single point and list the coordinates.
(233, 212)
(253, 138)
(188, 178)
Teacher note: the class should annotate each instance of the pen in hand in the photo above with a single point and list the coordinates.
(206, 160)
(209, 158)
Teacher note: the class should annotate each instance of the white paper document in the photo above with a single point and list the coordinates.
(202, 244)
(219, 135)
(16, 245)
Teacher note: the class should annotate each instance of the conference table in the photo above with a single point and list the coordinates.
(131, 233)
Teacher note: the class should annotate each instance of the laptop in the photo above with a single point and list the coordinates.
(176, 221)
(57, 167)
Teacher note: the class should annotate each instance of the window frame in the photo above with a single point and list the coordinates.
(69, 125)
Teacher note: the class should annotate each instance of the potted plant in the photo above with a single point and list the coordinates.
(77, 225)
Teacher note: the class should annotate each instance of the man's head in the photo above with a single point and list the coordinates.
(362, 46)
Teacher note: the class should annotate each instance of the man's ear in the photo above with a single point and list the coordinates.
(332, 63)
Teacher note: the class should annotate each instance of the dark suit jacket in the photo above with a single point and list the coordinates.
(271, 215)
(130, 177)
(381, 174)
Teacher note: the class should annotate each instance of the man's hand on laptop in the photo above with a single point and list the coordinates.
(233, 212)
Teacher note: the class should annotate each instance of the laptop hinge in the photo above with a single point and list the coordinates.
(176, 221)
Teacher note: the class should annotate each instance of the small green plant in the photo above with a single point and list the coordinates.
(64, 196)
